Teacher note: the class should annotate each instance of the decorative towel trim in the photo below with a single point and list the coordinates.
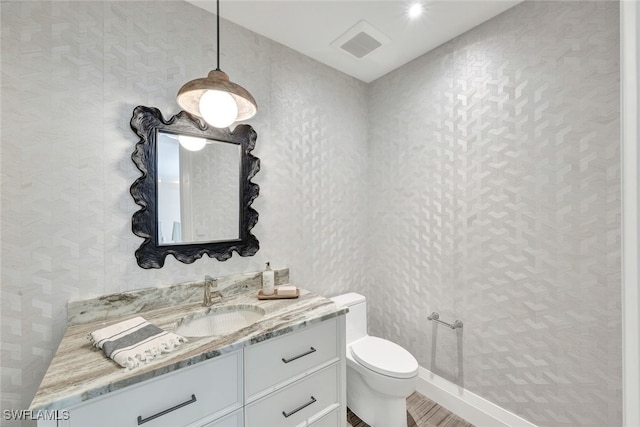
(134, 341)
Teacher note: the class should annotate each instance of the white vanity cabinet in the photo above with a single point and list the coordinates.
(295, 379)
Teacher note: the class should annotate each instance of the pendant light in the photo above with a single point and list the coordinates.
(215, 98)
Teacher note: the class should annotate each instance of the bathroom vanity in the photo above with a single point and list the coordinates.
(285, 369)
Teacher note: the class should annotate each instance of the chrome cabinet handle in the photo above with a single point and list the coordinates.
(306, 353)
(299, 408)
(166, 411)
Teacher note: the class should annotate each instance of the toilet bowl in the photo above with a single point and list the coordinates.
(380, 373)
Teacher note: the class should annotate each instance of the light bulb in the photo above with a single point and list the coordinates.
(218, 108)
(192, 143)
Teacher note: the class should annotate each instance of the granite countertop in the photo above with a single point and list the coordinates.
(79, 371)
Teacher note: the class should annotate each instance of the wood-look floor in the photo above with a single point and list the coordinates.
(421, 412)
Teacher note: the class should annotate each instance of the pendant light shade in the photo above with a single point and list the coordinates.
(190, 97)
(215, 98)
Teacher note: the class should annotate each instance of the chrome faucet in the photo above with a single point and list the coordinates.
(209, 283)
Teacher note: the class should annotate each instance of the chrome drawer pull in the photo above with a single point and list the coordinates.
(166, 411)
(300, 408)
(311, 350)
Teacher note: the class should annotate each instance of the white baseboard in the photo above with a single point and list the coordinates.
(469, 406)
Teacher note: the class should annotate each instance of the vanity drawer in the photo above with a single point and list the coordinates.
(332, 419)
(206, 390)
(279, 359)
(234, 419)
(296, 403)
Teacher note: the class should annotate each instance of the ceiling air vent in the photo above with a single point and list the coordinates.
(360, 45)
(360, 40)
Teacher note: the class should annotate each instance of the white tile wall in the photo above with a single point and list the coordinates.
(495, 199)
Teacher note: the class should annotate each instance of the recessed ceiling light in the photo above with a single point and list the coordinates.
(415, 10)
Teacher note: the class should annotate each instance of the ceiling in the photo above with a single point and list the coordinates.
(314, 27)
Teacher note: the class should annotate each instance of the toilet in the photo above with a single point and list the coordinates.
(380, 373)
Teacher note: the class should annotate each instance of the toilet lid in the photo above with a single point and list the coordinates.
(384, 357)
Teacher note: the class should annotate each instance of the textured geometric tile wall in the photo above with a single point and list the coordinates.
(495, 199)
(72, 72)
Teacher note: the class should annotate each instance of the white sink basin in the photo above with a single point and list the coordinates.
(223, 320)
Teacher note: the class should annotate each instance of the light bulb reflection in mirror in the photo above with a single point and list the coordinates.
(192, 143)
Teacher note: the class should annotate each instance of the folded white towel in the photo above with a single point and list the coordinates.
(134, 341)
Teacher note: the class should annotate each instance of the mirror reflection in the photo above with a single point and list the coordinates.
(198, 191)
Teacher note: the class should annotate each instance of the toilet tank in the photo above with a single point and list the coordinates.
(357, 315)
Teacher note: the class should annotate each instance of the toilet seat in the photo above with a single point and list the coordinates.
(384, 357)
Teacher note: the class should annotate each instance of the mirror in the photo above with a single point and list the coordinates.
(190, 209)
(195, 191)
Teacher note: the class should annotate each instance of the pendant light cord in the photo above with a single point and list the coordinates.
(218, 34)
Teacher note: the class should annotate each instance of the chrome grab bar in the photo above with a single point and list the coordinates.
(436, 318)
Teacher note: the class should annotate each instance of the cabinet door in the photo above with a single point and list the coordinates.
(201, 392)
